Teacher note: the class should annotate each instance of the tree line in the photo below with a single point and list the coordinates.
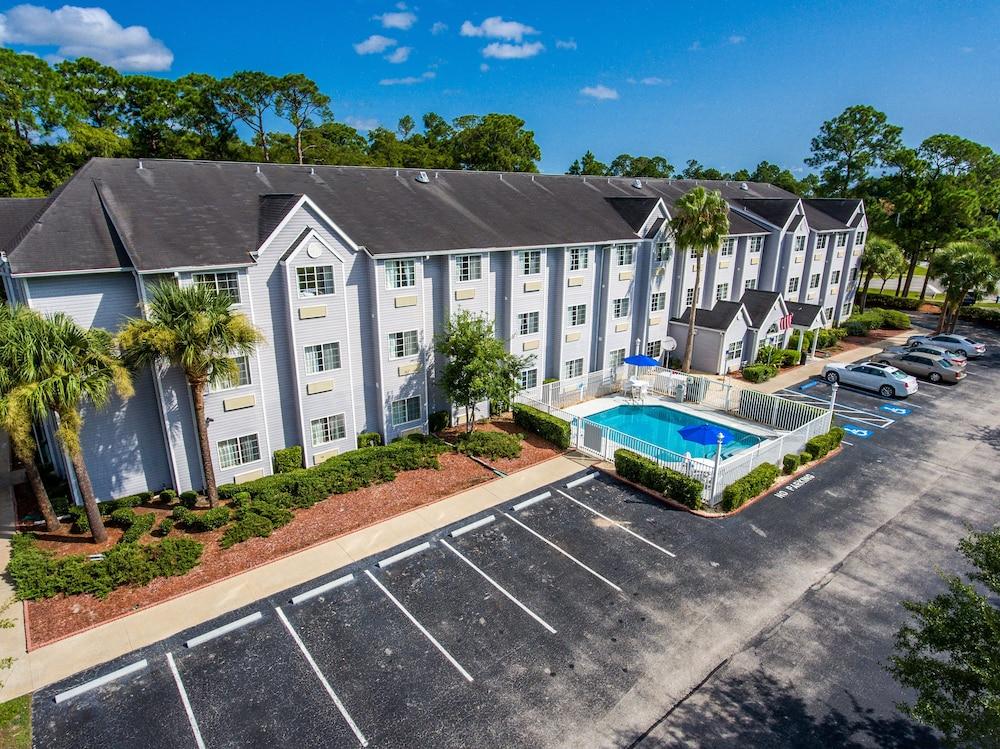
(54, 118)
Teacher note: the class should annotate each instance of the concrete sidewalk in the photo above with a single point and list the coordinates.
(53, 662)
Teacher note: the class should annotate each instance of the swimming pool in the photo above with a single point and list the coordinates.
(660, 426)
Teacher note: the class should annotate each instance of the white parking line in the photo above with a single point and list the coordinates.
(615, 522)
(320, 589)
(499, 587)
(319, 674)
(219, 631)
(530, 501)
(845, 442)
(582, 480)
(562, 551)
(185, 701)
(100, 681)
(418, 625)
(382, 563)
(472, 526)
(871, 418)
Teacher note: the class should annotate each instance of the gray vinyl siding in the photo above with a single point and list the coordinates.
(656, 324)
(584, 294)
(549, 317)
(435, 311)
(123, 445)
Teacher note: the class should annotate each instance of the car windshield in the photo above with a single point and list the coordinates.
(897, 375)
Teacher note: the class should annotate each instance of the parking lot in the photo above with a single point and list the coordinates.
(579, 614)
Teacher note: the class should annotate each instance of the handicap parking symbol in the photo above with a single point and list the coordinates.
(895, 410)
(857, 431)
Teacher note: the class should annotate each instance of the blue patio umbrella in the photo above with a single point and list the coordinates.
(641, 360)
(706, 434)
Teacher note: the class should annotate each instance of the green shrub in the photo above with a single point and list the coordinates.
(666, 481)
(123, 517)
(759, 372)
(168, 495)
(288, 459)
(988, 316)
(369, 439)
(249, 526)
(174, 556)
(789, 357)
(767, 355)
(166, 525)
(828, 337)
(189, 499)
(548, 380)
(856, 328)
(754, 483)
(546, 426)
(819, 446)
(140, 526)
(277, 514)
(239, 499)
(804, 458)
(491, 445)
(127, 564)
(790, 464)
(895, 320)
(199, 522)
(438, 420)
(890, 301)
(78, 516)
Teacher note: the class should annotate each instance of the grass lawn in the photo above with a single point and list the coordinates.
(874, 289)
(15, 723)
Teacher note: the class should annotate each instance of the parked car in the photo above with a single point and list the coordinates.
(952, 342)
(886, 380)
(918, 364)
(959, 360)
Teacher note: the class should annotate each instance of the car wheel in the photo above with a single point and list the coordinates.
(886, 391)
(832, 377)
(957, 351)
(934, 377)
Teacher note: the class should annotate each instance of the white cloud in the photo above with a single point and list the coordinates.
(373, 45)
(736, 39)
(400, 54)
(652, 80)
(504, 51)
(409, 80)
(600, 91)
(497, 28)
(484, 68)
(565, 44)
(90, 32)
(439, 27)
(364, 124)
(403, 20)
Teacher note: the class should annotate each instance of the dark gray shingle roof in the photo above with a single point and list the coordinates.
(15, 215)
(819, 219)
(803, 314)
(720, 317)
(635, 211)
(759, 304)
(773, 210)
(841, 209)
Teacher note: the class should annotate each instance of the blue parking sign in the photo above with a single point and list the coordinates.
(856, 431)
(895, 410)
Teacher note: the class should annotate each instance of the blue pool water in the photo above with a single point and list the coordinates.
(660, 426)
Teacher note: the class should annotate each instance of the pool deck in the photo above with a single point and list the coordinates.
(604, 403)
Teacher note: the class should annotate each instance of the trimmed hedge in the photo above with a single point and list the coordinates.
(189, 499)
(40, 574)
(251, 526)
(438, 420)
(666, 481)
(199, 522)
(759, 372)
(288, 459)
(989, 316)
(819, 446)
(805, 457)
(369, 439)
(491, 444)
(890, 301)
(859, 324)
(743, 490)
(546, 426)
(790, 464)
(139, 527)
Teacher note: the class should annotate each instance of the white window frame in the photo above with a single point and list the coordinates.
(658, 301)
(846, 308)
(242, 447)
(722, 291)
(576, 315)
(621, 307)
(242, 363)
(329, 432)
(531, 262)
(728, 247)
(616, 358)
(571, 366)
(750, 283)
(756, 244)
(859, 238)
(689, 297)
(407, 402)
(821, 241)
(399, 339)
(316, 354)
(734, 350)
(468, 268)
(842, 239)
(531, 374)
(835, 277)
(624, 255)
(829, 314)
(222, 282)
(799, 244)
(793, 284)
(654, 349)
(320, 277)
(663, 251)
(524, 320)
(579, 258)
(814, 280)
(401, 273)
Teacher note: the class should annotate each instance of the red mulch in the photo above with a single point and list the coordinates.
(56, 618)
(533, 448)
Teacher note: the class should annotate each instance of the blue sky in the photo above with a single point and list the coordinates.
(729, 84)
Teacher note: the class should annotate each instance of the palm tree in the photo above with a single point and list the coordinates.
(80, 367)
(19, 352)
(700, 223)
(882, 257)
(962, 267)
(194, 328)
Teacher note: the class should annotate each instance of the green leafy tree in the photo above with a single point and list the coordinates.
(405, 126)
(196, 329)
(248, 96)
(950, 653)
(298, 100)
(75, 368)
(589, 165)
(700, 223)
(962, 267)
(850, 145)
(479, 367)
(496, 142)
(695, 170)
(21, 351)
(882, 258)
(625, 165)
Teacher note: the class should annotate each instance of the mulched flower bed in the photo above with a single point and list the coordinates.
(533, 448)
(55, 618)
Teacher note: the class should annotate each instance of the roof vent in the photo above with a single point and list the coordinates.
(422, 178)
(637, 183)
(744, 186)
(312, 171)
(140, 163)
(258, 169)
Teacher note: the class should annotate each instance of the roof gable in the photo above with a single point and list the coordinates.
(759, 304)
